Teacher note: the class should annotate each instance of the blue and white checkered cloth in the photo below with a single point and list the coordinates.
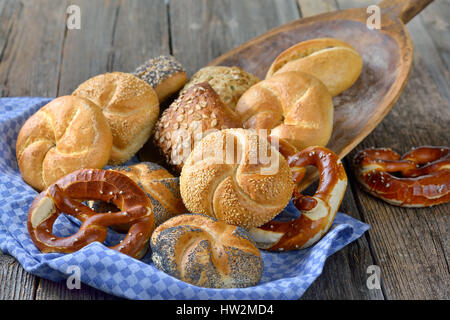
(286, 275)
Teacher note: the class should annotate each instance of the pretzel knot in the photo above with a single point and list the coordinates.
(66, 195)
(423, 175)
(318, 211)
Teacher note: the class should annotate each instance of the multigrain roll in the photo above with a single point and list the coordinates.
(293, 106)
(164, 74)
(67, 134)
(205, 252)
(197, 112)
(130, 106)
(229, 82)
(236, 176)
(334, 62)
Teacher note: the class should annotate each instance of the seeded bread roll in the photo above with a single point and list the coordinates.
(164, 74)
(197, 112)
(236, 176)
(202, 251)
(161, 187)
(229, 82)
(67, 134)
(130, 106)
(334, 62)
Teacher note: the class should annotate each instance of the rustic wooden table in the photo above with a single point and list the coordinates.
(39, 56)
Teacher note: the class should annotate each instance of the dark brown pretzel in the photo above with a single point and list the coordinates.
(66, 195)
(318, 211)
(424, 175)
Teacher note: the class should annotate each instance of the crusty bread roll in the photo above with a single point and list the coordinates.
(334, 62)
(229, 82)
(164, 74)
(161, 187)
(130, 106)
(236, 176)
(197, 112)
(67, 134)
(294, 106)
(205, 252)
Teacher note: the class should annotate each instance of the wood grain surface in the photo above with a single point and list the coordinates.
(40, 57)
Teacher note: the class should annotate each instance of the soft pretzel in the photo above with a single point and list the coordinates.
(424, 175)
(130, 106)
(104, 185)
(318, 211)
(334, 62)
(206, 252)
(65, 135)
(235, 175)
(293, 106)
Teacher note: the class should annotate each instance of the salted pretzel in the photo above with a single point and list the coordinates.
(318, 211)
(423, 175)
(66, 195)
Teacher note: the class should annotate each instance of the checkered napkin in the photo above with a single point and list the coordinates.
(286, 275)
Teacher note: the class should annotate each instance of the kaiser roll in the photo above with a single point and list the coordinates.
(205, 252)
(294, 106)
(67, 134)
(235, 175)
(130, 106)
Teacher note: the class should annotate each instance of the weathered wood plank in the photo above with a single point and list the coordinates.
(431, 36)
(436, 20)
(31, 37)
(30, 57)
(203, 30)
(89, 51)
(15, 282)
(345, 272)
(114, 36)
(344, 275)
(310, 8)
(49, 290)
(410, 245)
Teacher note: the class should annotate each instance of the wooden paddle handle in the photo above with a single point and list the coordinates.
(404, 9)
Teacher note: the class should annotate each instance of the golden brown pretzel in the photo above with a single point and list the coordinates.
(424, 175)
(104, 185)
(318, 211)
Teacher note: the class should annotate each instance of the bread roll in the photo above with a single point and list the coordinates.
(161, 187)
(334, 62)
(164, 74)
(67, 134)
(229, 82)
(294, 106)
(130, 106)
(205, 252)
(236, 176)
(197, 112)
